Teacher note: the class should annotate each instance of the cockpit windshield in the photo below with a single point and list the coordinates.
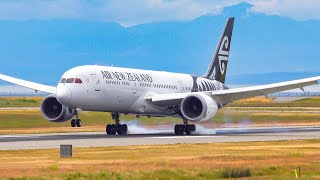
(63, 80)
(78, 81)
(70, 80)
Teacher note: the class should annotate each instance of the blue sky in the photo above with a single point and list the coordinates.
(50, 36)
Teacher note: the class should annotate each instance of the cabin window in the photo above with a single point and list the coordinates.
(70, 80)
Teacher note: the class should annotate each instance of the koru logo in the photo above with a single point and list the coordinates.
(223, 54)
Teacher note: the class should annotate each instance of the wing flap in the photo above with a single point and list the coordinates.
(28, 84)
(167, 99)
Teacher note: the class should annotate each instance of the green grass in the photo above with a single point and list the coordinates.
(34, 119)
(235, 173)
(263, 173)
(253, 102)
(268, 102)
(158, 174)
(20, 101)
(308, 100)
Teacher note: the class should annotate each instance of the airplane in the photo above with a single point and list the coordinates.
(149, 93)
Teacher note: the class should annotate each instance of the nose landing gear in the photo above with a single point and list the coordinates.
(112, 129)
(76, 122)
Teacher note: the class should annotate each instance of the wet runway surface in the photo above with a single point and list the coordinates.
(159, 136)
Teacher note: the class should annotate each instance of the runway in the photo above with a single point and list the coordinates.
(48, 141)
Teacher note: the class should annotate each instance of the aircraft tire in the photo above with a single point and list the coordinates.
(193, 127)
(119, 129)
(122, 129)
(178, 129)
(188, 129)
(73, 123)
(108, 129)
(113, 128)
(78, 122)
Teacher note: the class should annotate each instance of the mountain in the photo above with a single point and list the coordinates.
(41, 51)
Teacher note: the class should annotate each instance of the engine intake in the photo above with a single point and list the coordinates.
(53, 111)
(198, 107)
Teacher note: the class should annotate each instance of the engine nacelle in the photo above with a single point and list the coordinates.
(53, 111)
(198, 107)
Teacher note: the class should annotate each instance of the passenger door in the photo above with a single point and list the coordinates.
(96, 81)
(182, 88)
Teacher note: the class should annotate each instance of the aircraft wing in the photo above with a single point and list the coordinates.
(28, 84)
(230, 95)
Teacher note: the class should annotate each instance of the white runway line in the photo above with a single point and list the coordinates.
(184, 137)
(11, 136)
(51, 134)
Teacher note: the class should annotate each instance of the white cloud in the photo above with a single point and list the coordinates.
(297, 9)
(129, 12)
(122, 11)
(270, 7)
(142, 11)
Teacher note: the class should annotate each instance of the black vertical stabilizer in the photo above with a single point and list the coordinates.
(218, 67)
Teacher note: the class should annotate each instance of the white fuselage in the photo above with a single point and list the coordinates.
(124, 90)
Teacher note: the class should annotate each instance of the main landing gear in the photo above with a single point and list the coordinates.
(112, 129)
(76, 122)
(180, 129)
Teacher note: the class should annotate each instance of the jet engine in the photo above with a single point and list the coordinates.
(53, 111)
(198, 107)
